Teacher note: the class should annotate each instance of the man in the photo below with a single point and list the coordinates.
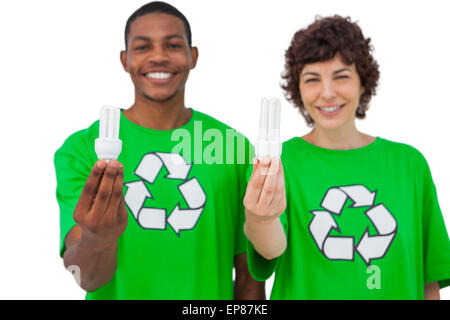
(175, 230)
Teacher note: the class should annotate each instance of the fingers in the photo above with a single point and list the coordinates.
(112, 209)
(255, 184)
(271, 183)
(91, 186)
(265, 194)
(122, 213)
(105, 189)
(278, 203)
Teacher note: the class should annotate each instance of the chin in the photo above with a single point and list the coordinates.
(330, 124)
(159, 97)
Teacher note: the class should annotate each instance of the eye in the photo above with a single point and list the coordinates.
(175, 45)
(342, 77)
(141, 48)
(311, 80)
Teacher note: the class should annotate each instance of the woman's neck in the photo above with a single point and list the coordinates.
(338, 139)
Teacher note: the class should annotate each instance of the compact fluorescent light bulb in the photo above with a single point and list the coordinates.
(268, 143)
(108, 145)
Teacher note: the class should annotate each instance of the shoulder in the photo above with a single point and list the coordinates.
(209, 122)
(80, 141)
(291, 142)
(403, 154)
(237, 149)
(401, 149)
(292, 147)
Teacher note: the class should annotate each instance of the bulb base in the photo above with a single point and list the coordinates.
(268, 149)
(108, 149)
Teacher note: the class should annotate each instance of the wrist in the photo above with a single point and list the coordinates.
(268, 238)
(258, 224)
(254, 219)
(96, 244)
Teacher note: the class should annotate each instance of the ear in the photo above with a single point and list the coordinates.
(362, 90)
(123, 60)
(194, 54)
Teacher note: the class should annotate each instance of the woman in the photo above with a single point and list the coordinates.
(353, 216)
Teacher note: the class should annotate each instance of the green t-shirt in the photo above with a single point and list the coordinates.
(360, 224)
(185, 214)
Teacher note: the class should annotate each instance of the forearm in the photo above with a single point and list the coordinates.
(97, 262)
(249, 289)
(267, 237)
(431, 291)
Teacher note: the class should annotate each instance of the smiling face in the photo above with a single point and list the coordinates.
(158, 57)
(330, 92)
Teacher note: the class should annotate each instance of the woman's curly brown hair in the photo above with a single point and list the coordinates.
(321, 41)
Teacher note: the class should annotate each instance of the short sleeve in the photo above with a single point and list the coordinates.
(436, 241)
(241, 240)
(240, 236)
(73, 164)
(260, 268)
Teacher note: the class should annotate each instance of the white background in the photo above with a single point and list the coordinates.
(60, 63)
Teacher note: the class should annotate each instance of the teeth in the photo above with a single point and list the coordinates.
(330, 109)
(158, 75)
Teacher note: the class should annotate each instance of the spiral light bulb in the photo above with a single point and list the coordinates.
(108, 145)
(268, 143)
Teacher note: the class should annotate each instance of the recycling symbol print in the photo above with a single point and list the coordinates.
(344, 247)
(156, 218)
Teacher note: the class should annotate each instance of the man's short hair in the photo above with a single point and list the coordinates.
(162, 7)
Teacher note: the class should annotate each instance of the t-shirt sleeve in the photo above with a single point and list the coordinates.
(260, 268)
(241, 239)
(436, 244)
(73, 164)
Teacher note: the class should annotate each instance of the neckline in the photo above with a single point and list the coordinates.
(128, 123)
(349, 152)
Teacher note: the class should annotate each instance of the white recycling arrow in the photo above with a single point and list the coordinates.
(195, 198)
(321, 226)
(374, 247)
(334, 200)
(149, 167)
(175, 164)
(382, 219)
(155, 218)
(342, 248)
(152, 218)
(338, 248)
(183, 219)
(135, 196)
(359, 195)
(193, 193)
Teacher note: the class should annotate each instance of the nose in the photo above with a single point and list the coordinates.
(328, 90)
(158, 55)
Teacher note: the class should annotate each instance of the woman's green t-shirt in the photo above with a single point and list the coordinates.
(360, 224)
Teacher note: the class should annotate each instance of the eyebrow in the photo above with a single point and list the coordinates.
(341, 70)
(318, 75)
(311, 74)
(144, 38)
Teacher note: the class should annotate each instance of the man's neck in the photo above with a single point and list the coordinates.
(165, 115)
